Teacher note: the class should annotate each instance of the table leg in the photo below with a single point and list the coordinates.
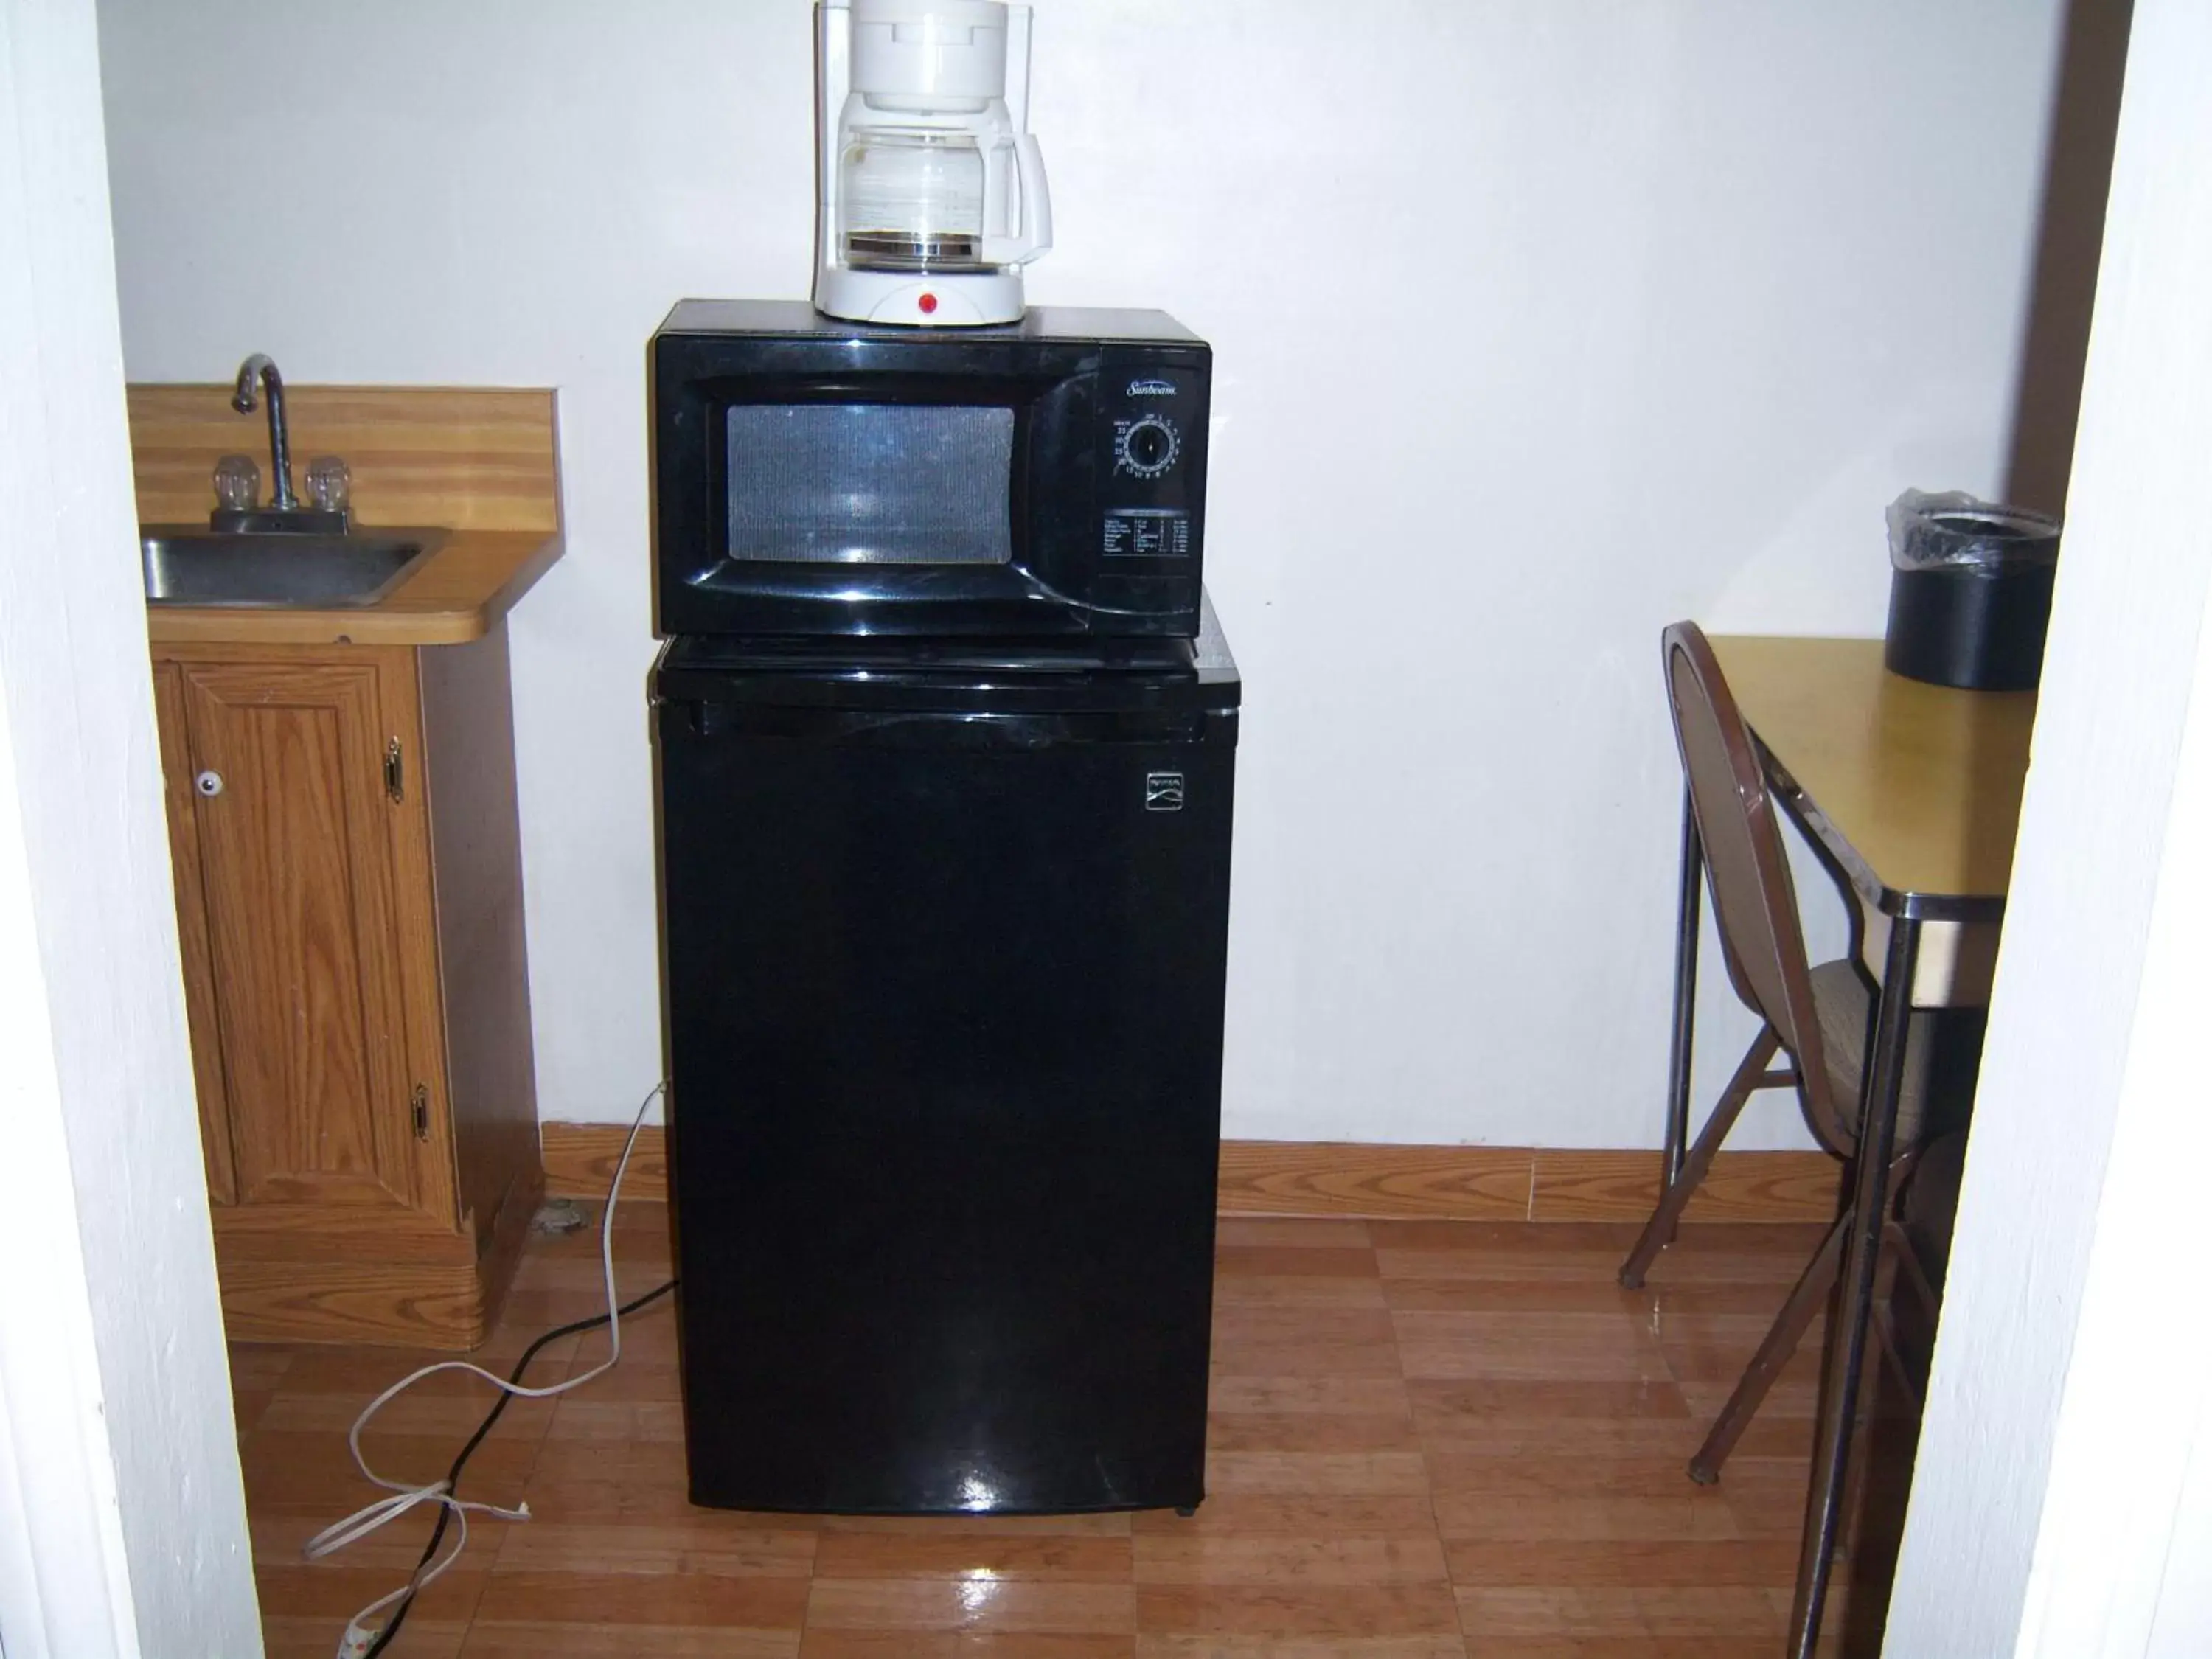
(1885, 1080)
(1689, 892)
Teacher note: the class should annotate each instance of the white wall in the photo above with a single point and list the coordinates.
(2062, 1506)
(1539, 324)
(122, 1517)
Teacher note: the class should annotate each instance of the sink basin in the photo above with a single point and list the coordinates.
(188, 565)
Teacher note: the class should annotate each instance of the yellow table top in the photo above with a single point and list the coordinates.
(1915, 788)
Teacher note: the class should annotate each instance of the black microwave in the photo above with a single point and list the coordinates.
(819, 477)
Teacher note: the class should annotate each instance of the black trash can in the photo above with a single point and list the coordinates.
(1969, 591)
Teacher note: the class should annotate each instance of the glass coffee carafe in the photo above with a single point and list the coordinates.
(912, 199)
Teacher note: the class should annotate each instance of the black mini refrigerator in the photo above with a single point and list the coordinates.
(945, 927)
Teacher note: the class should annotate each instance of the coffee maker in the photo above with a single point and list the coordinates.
(930, 189)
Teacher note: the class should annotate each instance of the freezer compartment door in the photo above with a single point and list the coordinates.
(945, 1009)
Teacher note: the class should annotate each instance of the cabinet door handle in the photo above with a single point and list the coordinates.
(418, 1105)
(208, 784)
(395, 771)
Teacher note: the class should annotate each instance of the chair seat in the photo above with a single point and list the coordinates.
(1943, 1051)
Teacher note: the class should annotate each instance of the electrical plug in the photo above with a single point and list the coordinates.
(354, 1643)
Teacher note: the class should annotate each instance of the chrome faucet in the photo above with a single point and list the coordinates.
(328, 479)
(260, 366)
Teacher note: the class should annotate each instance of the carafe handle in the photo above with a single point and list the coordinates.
(1034, 237)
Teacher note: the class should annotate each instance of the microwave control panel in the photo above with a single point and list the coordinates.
(1152, 415)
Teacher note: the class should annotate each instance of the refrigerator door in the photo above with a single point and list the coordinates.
(944, 1012)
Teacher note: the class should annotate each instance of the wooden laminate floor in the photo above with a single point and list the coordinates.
(1430, 1440)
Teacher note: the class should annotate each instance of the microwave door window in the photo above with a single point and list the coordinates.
(871, 483)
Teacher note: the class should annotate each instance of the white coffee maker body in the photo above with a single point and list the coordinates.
(931, 191)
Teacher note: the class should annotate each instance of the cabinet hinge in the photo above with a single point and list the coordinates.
(395, 779)
(420, 1104)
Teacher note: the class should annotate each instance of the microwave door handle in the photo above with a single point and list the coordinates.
(1034, 239)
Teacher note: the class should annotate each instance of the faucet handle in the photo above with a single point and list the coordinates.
(237, 483)
(330, 483)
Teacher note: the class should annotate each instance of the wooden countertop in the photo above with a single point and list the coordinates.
(453, 596)
(477, 462)
(1916, 787)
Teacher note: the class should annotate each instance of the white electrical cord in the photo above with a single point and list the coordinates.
(367, 1518)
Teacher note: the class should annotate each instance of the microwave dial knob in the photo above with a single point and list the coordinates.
(1149, 447)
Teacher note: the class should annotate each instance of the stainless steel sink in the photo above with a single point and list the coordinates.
(185, 564)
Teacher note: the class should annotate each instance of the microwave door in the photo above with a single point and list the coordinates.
(882, 510)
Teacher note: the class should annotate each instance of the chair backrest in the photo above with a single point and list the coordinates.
(1746, 868)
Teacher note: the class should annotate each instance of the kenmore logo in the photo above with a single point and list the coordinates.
(1151, 389)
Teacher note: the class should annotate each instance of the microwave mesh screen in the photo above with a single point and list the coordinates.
(871, 483)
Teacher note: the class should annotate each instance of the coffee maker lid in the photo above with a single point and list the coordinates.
(923, 49)
(946, 14)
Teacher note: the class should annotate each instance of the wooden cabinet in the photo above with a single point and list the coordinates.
(349, 872)
(348, 893)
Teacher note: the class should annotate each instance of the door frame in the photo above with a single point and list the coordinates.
(2066, 1453)
(122, 1512)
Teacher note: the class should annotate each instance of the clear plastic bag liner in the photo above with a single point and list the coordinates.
(1952, 530)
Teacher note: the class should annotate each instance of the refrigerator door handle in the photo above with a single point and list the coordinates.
(949, 729)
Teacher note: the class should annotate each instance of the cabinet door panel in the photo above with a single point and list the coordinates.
(192, 930)
(296, 861)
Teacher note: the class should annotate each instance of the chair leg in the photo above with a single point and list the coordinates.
(1910, 1270)
(1659, 1231)
(1885, 1331)
(1782, 1339)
